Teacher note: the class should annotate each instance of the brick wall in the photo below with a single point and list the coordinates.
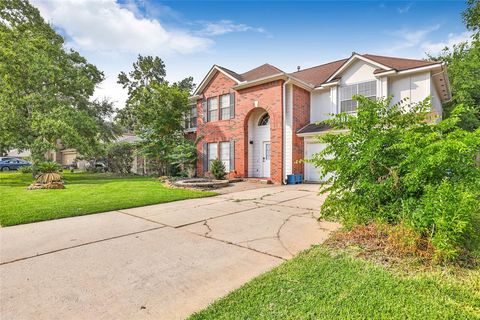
(269, 97)
(301, 117)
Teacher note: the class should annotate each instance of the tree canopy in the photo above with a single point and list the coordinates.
(155, 109)
(45, 89)
(463, 65)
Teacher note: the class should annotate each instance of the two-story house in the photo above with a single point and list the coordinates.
(261, 122)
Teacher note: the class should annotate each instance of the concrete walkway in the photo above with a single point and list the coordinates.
(156, 262)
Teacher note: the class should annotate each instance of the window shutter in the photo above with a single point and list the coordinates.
(232, 105)
(205, 157)
(204, 110)
(232, 155)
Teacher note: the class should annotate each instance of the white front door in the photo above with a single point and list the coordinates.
(266, 158)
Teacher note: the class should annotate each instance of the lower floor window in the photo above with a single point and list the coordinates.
(220, 150)
(212, 153)
(225, 155)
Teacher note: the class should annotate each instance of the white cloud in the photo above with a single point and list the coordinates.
(405, 8)
(104, 25)
(226, 26)
(407, 38)
(111, 35)
(452, 39)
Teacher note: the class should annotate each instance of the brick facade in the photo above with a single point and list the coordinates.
(300, 118)
(268, 96)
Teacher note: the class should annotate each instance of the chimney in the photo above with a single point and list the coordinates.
(298, 68)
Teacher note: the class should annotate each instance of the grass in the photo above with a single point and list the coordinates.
(319, 284)
(84, 194)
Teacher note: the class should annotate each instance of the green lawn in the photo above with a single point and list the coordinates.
(84, 194)
(320, 285)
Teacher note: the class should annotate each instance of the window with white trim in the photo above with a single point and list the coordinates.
(225, 155)
(212, 153)
(225, 106)
(212, 104)
(367, 89)
(264, 120)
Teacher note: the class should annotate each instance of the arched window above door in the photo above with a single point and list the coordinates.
(264, 120)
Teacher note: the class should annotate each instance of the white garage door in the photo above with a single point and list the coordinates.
(311, 172)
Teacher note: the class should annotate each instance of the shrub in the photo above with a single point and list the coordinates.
(217, 169)
(391, 165)
(446, 213)
(184, 156)
(25, 169)
(120, 157)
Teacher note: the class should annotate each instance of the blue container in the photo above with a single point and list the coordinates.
(298, 178)
(291, 179)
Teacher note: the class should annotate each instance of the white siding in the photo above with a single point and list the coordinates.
(321, 106)
(382, 87)
(359, 71)
(413, 87)
(334, 99)
(436, 103)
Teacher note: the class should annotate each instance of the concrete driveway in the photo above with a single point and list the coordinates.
(155, 262)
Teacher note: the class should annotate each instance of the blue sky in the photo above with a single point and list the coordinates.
(191, 36)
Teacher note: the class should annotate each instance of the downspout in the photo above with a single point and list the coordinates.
(284, 108)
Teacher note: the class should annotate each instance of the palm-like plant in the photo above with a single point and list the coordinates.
(49, 173)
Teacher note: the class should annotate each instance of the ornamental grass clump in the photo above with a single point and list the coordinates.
(390, 164)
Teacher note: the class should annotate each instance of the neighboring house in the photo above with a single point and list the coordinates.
(15, 153)
(66, 157)
(139, 165)
(262, 122)
(62, 155)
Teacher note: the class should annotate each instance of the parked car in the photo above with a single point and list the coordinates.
(10, 163)
(100, 166)
(97, 167)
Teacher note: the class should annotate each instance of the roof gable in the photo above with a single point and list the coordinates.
(263, 71)
(351, 60)
(213, 70)
(318, 74)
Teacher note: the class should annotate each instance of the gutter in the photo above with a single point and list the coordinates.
(411, 70)
(319, 133)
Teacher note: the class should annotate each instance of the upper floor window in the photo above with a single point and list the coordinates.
(191, 118)
(367, 89)
(219, 107)
(225, 106)
(212, 105)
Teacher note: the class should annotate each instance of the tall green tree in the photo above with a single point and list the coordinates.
(463, 65)
(155, 109)
(45, 89)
